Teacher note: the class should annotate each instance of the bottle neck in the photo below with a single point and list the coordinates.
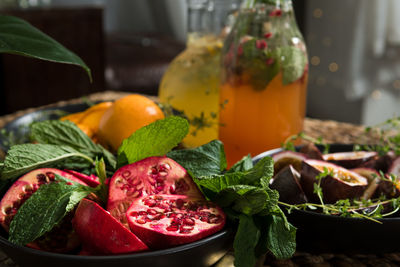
(210, 17)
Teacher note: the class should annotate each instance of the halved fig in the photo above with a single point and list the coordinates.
(153, 175)
(285, 158)
(351, 159)
(340, 183)
(66, 240)
(170, 220)
(101, 233)
(373, 181)
(311, 151)
(287, 183)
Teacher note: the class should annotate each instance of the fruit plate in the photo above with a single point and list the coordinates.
(204, 252)
(17, 130)
(322, 233)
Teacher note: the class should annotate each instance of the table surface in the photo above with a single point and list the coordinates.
(331, 131)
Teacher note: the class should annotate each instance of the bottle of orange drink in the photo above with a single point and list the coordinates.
(264, 79)
(191, 83)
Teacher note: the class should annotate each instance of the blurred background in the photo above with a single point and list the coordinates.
(353, 47)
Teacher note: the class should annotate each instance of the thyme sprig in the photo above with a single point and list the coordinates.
(289, 143)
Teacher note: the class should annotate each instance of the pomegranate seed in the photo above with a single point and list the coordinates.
(152, 211)
(172, 228)
(179, 203)
(261, 44)
(41, 178)
(140, 221)
(150, 202)
(51, 176)
(154, 170)
(188, 221)
(126, 174)
(268, 35)
(164, 167)
(142, 212)
(134, 214)
(159, 188)
(172, 189)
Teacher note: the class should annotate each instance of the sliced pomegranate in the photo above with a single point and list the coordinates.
(91, 180)
(20, 191)
(154, 175)
(169, 220)
(101, 233)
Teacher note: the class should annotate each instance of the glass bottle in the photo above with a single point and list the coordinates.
(191, 83)
(264, 79)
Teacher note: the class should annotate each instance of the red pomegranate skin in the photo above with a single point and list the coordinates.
(101, 233)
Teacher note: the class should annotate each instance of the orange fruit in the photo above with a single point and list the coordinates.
(124, 117)
(88, 120)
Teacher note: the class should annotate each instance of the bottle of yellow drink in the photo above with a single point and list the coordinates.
(191, 83)
(264, 79)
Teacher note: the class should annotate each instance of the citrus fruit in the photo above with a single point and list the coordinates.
(124, 117)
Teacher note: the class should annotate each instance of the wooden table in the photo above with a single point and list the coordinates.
(332, 132)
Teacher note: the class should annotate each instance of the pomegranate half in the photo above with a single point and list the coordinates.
(153, 175)
(65, 239)
(170, 220)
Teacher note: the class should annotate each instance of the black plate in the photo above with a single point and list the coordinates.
(201, 253)
(321, 233)
(17, 130)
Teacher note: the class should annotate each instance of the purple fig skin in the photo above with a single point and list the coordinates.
(287, 183)
(352, 159)
(333, 188)
(311, 151)
(286, 158)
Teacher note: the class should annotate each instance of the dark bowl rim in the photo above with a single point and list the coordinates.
(161, 252)
(321, 215)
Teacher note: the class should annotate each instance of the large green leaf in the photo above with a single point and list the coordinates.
(21, 38)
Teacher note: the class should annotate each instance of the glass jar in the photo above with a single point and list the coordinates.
(264, 79)
(191, 83)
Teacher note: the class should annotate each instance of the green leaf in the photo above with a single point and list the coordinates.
(27, 157)
(245, 164)
(293, 62)
(264, 168)
(102, 189)
(56, 132)
(155, 139)
(245, 242)
(216, 183)
(252, 202)
(205, 160)
(281, 241)
(21, 38)
(45, 209)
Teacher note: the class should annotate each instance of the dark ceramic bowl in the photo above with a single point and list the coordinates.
(205, 252)
(17, 130)
(322, 233)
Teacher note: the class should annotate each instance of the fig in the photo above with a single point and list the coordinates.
(153, 175)
(373, 181)
(101, 233)
(285, 158)
(394, 167)
(351, 159)
(311, 151)
(169, 220)
(340, 183)
(20, 191)
(287, 183)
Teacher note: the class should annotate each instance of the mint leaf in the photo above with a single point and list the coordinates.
(281, 241)
(293, 62)
(56, 132)
(155, 139)
(21, 38)
(45, 209)
(205, 160)
(264, 168)
(245, 242)
(217, 183)
(252, 201)
(27, 157)
(245, 164)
